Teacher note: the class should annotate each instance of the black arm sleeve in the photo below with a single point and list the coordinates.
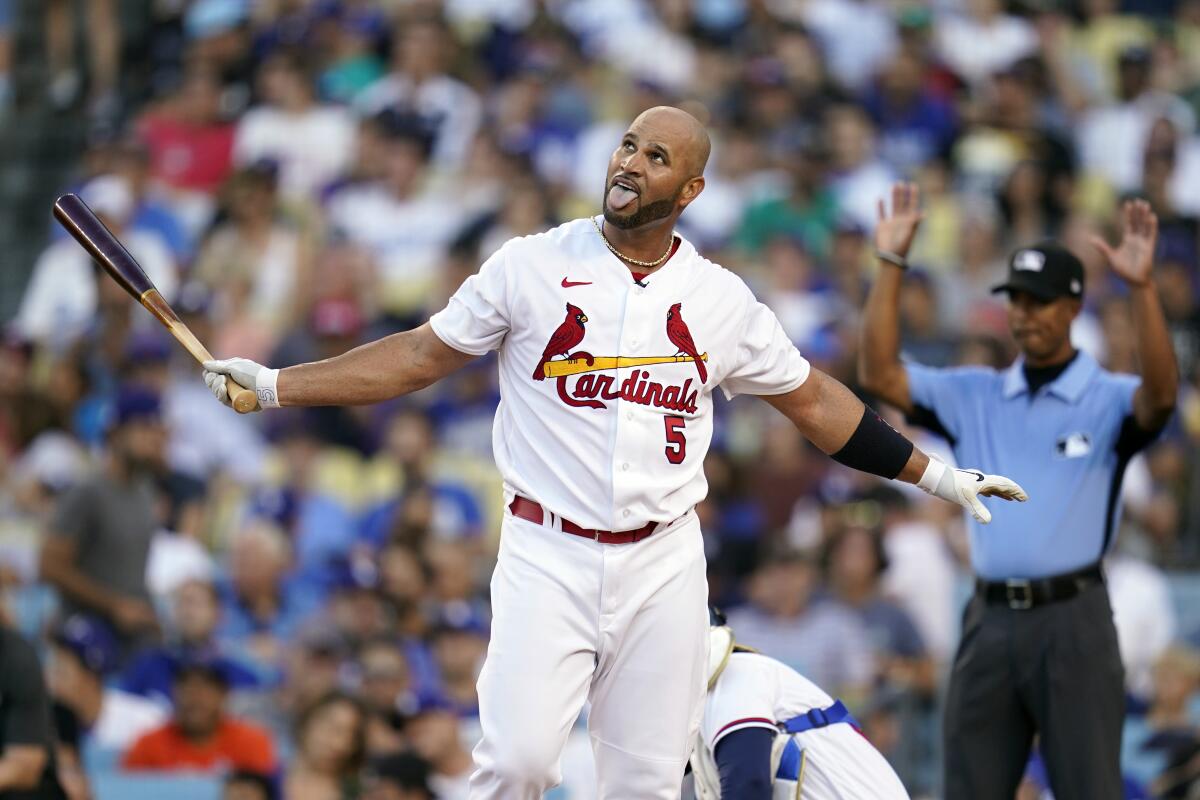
(744, 764)
(875, 447)
(23, 698)
(1133, 438)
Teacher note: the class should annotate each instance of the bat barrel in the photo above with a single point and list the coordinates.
(95, 237)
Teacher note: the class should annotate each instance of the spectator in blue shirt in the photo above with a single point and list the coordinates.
(195, 614)
(915, 124)
(355, 610)
(263, 603)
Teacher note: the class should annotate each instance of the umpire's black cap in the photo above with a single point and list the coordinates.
(1046, 270)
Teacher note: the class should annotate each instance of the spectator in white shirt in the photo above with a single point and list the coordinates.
(418, 84)
(1144, 615)
(204, 441)
(63, 295)
(1112, 139)
(857, 36)
(859, 176)
(512, 14)
(312, 143)
(983, 41)
(405, 228)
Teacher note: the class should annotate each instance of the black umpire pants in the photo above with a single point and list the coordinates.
(1053, 670)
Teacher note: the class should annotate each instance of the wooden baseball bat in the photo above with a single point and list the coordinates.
(575, 366)
(100, 243)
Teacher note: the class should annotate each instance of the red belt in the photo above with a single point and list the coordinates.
(527, 509)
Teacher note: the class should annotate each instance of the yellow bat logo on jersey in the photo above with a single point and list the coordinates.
(575, 366)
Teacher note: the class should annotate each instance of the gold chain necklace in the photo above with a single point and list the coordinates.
(650, 264)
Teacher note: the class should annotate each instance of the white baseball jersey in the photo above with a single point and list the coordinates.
(616, 436)
(833, 763)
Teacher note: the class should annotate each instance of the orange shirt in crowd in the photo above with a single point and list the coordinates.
(235, 745)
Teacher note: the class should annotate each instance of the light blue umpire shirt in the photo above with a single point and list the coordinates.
(1061, 445)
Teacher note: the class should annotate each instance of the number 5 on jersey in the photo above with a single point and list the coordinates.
(676, 449)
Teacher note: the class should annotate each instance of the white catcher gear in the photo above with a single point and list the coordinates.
(720, 648)
(825, 760)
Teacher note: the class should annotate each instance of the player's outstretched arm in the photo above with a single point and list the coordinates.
(836, 421)
(389, 367)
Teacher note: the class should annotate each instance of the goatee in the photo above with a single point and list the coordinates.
(651, 212)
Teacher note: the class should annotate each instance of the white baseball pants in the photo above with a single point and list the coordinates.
(624, 626)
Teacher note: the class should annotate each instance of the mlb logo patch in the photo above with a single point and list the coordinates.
(1029, 261)
(1073, 445)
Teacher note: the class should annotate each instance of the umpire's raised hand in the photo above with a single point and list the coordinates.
(895, 231)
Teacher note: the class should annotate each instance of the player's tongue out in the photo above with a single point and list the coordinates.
(620, 196)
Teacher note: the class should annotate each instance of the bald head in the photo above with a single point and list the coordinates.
(657, 170)
(680, 132)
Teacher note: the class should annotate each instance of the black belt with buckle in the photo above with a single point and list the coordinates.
(1022, 594)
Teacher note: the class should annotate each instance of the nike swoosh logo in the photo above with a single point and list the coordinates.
(978, 475)
(566, 284)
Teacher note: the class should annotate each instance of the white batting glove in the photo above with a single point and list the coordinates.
(964, 487)
(244, 372)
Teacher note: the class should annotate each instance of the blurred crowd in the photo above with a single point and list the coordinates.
(297, 600)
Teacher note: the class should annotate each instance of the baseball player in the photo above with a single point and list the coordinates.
(769, 733)
(613, 333)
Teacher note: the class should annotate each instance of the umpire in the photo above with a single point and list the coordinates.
(1038, 654)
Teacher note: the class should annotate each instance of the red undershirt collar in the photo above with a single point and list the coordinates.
(638, 277)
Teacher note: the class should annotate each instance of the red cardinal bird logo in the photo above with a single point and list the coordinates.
(569, 334)
(681, 337)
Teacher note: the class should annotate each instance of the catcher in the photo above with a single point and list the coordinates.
(769, 733)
